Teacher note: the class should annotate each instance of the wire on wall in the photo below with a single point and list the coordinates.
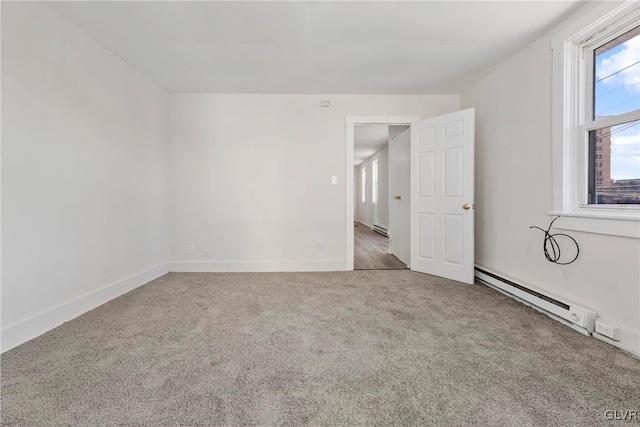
(550, 242)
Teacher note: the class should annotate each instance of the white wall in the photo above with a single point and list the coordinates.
(375, 214)
(84, 173)
(251, 177)
(514, 191)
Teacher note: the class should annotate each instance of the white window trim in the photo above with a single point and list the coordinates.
(363, 185)
(375, 189)
(569, 147)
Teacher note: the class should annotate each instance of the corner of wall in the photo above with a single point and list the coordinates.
(27, 329)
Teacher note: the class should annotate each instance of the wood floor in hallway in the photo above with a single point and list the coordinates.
(371, 251)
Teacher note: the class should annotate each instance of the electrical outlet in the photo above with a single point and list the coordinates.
(334, 180)
(320, 245)
(608, 330)
(190, 245)
(206, 252)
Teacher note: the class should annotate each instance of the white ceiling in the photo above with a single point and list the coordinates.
(387, 47)
(367, 139)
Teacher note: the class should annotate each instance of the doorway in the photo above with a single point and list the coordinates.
(380, 161)
(382, 188)
(441, 208)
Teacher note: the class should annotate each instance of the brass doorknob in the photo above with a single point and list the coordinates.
(466, 206)
(398, 197)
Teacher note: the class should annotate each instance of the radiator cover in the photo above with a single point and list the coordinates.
(577, 317)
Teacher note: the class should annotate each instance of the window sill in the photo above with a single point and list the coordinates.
(614, 222)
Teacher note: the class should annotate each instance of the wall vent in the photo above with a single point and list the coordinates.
(381, 230)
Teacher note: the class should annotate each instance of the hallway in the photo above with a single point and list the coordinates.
(371, 251)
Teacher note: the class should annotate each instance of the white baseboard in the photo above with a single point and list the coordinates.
(254, 266)
(629, 339)
(27, 329)
(534, 306)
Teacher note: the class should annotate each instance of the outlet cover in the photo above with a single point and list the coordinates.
(608, 330)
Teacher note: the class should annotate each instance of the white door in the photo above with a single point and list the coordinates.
(399, 195)
(442, 151)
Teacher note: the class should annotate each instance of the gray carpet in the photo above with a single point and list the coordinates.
(353, 348)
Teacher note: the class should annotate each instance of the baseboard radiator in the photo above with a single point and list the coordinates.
(381, 230)
(579, 318)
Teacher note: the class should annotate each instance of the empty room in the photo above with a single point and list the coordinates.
(189, 189)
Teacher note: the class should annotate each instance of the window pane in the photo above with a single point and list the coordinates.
(617, 75)
(363, 189)
(374, 177)
(614, 164)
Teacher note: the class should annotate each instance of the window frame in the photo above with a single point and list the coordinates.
(588, 120)
(363, 185)
(572, 76)
(375, 181)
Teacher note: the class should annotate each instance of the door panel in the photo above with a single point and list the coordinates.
(453, 239)
(426, 177)
(453, 164)
(442, 151)
(426, 228)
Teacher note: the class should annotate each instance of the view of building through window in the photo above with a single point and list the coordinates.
(625, 188)
(614, 151)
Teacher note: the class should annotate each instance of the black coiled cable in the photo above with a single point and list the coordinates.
(549, 240)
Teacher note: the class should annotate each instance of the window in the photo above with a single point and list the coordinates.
(374, 182)
(613, 134)
(596, 121)
(363, 184)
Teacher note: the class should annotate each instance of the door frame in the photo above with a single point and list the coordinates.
(350, 123)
